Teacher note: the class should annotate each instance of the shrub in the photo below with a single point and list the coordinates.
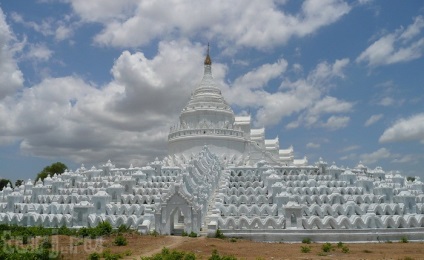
(404, 240)
(154, 233)
(84, 232)
(305, 249)
(215, 256)
(170, 255)
(94, 256)
(345, 249)
(120, 241)
(326, 247)
(184, 234)
(46, 244)
(192, 234)
(219, 234)
(233, 239)
(24, 240)
(64, 230)
(123, 228)
(104, 228)
(110, 256)
(306, 240)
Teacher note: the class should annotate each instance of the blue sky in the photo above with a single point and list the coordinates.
(87, 81)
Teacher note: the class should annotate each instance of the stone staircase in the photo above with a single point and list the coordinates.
(211, 207)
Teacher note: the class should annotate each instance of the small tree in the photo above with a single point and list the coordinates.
(120, 240)
(410, 178)
(19, 183)
(50, 170)
(4, 182)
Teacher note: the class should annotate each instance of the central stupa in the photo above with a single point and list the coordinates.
(208, 119)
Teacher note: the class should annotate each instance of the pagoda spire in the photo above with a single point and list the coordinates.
(208, 60)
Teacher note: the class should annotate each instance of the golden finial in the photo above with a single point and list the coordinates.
(208, 60)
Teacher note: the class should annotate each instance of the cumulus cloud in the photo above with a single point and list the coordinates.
(373, 119)
(405, 129)
(336, 122)
(126, 119)
(232, 23)
(408, 158)
(60, 29)
(39, 52)
(401, 45)
(350, 148)
(312, 101)
(305, 95)
(371, 158)
(11, 77)
(312, 145)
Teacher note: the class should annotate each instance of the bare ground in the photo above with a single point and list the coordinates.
(78, 248)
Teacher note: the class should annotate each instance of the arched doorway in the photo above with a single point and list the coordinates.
(177, 222)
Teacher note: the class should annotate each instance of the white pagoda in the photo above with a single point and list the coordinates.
(222, 174)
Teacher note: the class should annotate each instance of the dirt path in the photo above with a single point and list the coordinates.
(171, 243)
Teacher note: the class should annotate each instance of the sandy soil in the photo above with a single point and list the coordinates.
(78, 248)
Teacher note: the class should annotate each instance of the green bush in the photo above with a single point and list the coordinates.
(404, 240)
(184, 234)
(24, 240)
(123, 229)
(171, 255)
(64, 230)
(84, 232)
(154, 233)
(306, 240)
(305, 249)
(192, 234)
(104, 228)
(345, 249)
(340, 244)
(326, 247)
(46, 244)
(215, 256)
(108, 255)
(219, 234)
(15, 252)
(94, 256)
(120, 240)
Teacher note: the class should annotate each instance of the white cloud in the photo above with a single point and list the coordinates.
(400, 46)
(350, 148)
(126, 119)
(373, 119)
(371, 158)
(59, 29)
(312, 145)
(232, 23)
(405, 129)
(408, 158)
(310, 99)
(304, 94)
(259, 77)
(336, 122)
(39, 52)
(11, 78)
